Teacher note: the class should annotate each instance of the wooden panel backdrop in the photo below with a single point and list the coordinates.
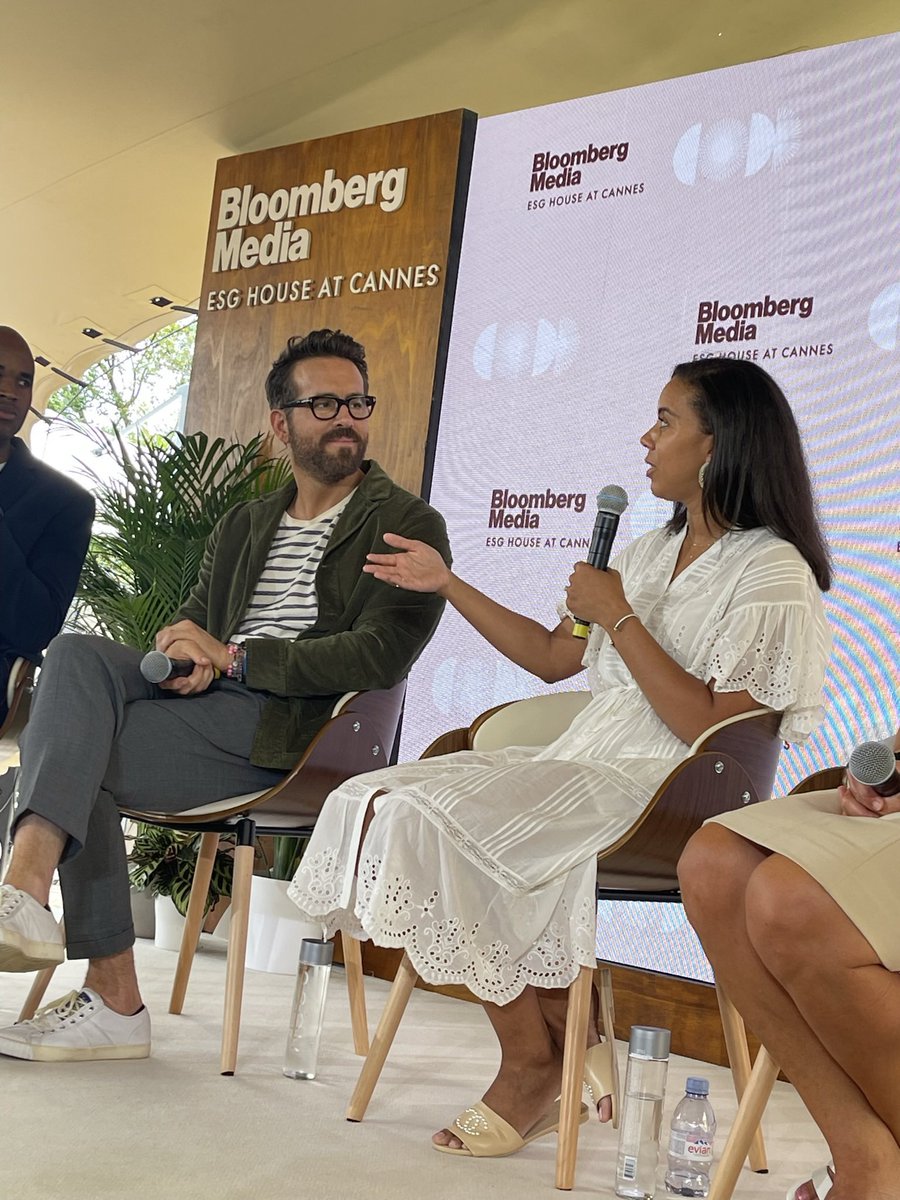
(403, 329)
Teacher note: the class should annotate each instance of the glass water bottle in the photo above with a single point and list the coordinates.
(308, 1009)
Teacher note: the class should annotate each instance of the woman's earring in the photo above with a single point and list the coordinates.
(701, 474)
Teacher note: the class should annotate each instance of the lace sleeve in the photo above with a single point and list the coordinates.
(773, 641)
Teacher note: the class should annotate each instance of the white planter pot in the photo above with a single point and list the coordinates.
(276, 928)
(169, 924)
(142, 913)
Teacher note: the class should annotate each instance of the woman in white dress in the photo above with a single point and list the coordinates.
(482, 865)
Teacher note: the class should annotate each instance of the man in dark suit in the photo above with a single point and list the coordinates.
(45, 525)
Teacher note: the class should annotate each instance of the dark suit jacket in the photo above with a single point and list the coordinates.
(45, 526)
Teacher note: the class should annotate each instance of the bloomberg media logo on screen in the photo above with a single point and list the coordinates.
(550, 170)
(718, 322)
(522, 510)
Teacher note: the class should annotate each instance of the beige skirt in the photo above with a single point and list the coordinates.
(855, 859)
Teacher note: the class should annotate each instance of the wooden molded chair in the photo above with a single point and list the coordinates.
(730, 765)
(752, 1103)
(358, 737)
(18, 704)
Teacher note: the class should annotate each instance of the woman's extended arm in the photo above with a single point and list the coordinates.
(550, 654)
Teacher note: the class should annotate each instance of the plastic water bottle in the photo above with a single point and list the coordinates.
(645, 1088)
(691, 1142)
(302, 1050)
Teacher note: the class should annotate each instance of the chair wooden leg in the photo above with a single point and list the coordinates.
(356, 993)
(578, 1013)
(40, 984)
(36, 994)
(746, 1123)
(739, 1059)
(401, 990)
(237, 955)
(206, 856)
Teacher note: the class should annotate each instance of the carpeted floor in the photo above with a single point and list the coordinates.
(171, 1126)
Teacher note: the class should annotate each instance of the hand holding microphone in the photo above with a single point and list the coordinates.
(611, 503)
(871, 786)
(187, 659)
(157, 667)
(873, 764)
(872, 781)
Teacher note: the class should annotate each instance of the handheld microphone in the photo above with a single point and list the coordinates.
(611, 503)
(157, 667)
(873, 764)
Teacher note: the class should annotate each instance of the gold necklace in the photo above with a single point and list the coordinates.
(693, 552)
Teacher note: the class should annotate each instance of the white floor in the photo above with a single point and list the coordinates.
(171, 1126)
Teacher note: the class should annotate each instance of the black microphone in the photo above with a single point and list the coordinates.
(874, 765)
(157, 667)
(611, 503)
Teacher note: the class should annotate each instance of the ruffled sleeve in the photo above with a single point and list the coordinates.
(772, 640)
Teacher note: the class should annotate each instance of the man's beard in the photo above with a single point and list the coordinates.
(327, 466)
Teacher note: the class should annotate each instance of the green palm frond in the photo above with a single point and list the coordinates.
(153, 523)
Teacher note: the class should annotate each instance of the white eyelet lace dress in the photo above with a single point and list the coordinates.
(482, 866)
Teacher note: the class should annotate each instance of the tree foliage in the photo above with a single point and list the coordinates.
(126, 386)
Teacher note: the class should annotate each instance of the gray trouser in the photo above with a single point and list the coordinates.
(99, 736)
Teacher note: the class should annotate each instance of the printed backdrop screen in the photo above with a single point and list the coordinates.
(751, 211)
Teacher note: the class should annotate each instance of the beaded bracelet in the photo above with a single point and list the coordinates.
(236, 667)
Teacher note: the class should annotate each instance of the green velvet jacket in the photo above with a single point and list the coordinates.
(367, 634)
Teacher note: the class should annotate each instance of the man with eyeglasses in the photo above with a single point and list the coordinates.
(282, 621)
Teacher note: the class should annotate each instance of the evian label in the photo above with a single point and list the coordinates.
(690, 1146)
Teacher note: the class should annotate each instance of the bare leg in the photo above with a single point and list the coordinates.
(554, 1002)
(831, 973)
(37, 849)
(530, 1066)
(758, 915)
(115, 981)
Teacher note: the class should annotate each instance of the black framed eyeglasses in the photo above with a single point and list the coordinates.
(325, 407)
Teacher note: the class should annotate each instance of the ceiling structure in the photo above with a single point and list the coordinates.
(114, 113)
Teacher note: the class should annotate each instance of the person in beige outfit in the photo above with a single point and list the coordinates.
(795, 901)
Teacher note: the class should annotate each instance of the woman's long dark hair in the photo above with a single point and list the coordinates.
(757, 474)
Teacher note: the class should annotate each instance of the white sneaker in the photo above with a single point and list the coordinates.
(30, 938)
(78, 1028)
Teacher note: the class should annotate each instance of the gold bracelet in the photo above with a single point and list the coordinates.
(621, 621)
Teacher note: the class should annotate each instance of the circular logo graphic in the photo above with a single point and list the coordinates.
(733, 146)
(517, 349)
(884, 317)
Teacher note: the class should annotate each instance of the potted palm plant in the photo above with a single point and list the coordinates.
(153, 522)
(162, 863)
(152, 525)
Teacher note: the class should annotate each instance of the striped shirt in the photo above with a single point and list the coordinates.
(284, 602)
